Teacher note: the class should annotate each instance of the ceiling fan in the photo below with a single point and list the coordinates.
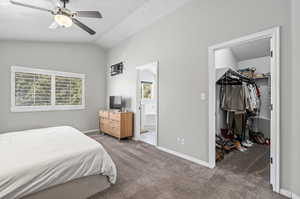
(64, 17)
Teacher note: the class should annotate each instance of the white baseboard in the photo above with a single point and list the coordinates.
(135, 138)
(288, 194)
(294, 196)
(90, 131)
(186, 157)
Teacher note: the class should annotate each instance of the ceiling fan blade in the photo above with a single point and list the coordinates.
(30, 6)
(89, 14)
(84, 27)
(54, 25)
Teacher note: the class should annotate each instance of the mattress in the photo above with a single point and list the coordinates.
(35, 160)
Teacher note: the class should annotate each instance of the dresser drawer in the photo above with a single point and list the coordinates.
(104, 120)
(115, 131)
(104, 114)
(105, 128)
(115, 116)
(115, 123)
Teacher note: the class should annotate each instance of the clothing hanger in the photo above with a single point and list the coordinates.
(232, 77)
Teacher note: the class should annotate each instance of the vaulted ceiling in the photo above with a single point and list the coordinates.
(122, 19)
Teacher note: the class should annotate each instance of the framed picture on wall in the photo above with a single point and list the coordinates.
(147, 90)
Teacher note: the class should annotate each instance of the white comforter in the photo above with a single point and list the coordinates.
(35, 160)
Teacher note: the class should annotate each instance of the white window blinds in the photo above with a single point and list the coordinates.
(44, 90)
(32, 89)
(68, 91)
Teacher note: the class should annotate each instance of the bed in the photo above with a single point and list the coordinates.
(57, 162)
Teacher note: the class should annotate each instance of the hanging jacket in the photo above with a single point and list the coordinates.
(233, 98)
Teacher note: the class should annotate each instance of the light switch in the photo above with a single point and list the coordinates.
(203, 96)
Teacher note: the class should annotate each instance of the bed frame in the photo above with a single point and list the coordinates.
(81, 188)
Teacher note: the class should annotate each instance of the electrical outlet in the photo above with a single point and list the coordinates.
(180, 141)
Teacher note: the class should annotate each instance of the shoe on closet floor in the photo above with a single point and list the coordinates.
(247, 143)
(239, 147)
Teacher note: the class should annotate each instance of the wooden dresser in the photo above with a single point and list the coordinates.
(117, 124)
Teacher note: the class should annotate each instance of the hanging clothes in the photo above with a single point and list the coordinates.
(239, 98)
(233, 98)
(247, 97)
(253, 98)
(236, 122)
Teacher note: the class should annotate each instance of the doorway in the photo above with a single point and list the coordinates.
(270, 119)
(147, 103)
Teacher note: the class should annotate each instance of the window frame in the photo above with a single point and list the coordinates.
(53, 106)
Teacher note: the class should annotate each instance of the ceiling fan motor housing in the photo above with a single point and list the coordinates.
(65, 1)
(67, 12)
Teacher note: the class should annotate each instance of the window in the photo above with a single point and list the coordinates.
(147, 88)
(44, 90)
(32, 89)
(68, 91)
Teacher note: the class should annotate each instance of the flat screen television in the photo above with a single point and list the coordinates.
(115, 102)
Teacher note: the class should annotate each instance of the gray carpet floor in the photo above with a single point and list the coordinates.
(255, 161)
(145, 172)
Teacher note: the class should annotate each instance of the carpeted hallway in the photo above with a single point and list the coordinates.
(145, 172)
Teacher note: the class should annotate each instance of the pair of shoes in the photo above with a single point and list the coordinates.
(247, 143)
(258, 137)
(219, 155)
(229, 145)
(268, 141)
(239, 147)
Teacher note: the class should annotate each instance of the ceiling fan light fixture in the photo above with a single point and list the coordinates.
(63, 20)
(62, 16)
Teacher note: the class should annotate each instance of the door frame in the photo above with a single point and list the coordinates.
(137, 134)
(274, 35)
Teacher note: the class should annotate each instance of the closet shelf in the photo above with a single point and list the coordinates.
(261, 78)
(259, 117)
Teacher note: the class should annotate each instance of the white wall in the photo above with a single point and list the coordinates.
(180, 43)
(294, 95)
(225, 58)
(78, 58)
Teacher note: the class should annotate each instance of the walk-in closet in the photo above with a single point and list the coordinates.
(243, 108)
